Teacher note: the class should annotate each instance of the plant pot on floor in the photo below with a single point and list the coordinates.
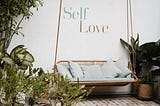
(145, 91)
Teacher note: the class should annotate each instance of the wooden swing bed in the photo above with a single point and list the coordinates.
(95, 62)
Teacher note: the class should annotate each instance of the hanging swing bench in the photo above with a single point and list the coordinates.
(64, 66)
(91, 66)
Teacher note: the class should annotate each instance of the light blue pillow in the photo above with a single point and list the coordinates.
(63, 70)
(109, 70)
(92, 71)
(75, 69)
(123, 68)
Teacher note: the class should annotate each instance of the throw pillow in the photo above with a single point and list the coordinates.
(63, 70)
(92, 71)
(75, 69)
(109, 70)
(123, 68)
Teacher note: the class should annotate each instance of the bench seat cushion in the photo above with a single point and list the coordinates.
(101, 79)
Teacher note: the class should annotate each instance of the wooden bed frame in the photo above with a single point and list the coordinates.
(98, 83)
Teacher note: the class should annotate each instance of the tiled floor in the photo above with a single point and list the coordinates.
(116, 101)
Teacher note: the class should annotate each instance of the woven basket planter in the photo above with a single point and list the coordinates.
(145, 91)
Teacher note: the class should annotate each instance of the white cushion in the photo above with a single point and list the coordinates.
(92, 71)
(63, 70)
(75, 69)
(109, 70)
(103, 79)
(123, 68)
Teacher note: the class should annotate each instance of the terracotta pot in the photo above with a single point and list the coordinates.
(145, 91)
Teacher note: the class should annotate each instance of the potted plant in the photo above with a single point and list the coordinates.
(150, 53)
(142, 58)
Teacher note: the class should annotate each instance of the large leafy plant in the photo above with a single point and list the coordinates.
(10, 10)
(18, 78)
(143, 57)
(150, 52)
(13, 67)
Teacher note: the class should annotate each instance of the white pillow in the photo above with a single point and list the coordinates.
(75, 69)
(109, 70)
(123, 68)
(92, 71)
(63, 70)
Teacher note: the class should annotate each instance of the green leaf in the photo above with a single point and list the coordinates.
(23, 67)
(26, 63)
(1, 55)
(158, 42)
(8, 60)
(1, 74)
(150, 49)
(17, 49)
(21, 56)
(136, 43)
(126, 45)
(35, 70)
(2, 44)
(40, 72)
(29, 57)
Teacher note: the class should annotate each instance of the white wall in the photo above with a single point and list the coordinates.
(40, 30)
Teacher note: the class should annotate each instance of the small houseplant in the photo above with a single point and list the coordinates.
(38, 84)
(66, 93)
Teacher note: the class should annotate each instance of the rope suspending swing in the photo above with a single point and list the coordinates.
(130, 31)
(57, 37)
